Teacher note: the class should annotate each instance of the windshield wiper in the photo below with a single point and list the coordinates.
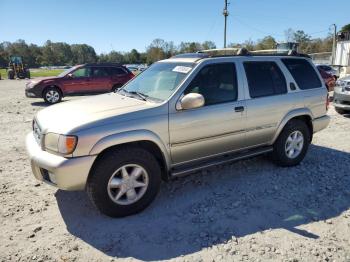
(142, 96)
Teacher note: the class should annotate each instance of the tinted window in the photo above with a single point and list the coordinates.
(265, 79)
(99, 72)
(216, 83)
(82, 72)
(116, 71)
(303, 73)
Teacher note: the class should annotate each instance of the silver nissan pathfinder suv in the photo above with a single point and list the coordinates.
(181, 115)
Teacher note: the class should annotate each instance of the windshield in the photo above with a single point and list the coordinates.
(66, 72)
(160, 80)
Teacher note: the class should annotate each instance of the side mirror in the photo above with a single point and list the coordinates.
(190, 101)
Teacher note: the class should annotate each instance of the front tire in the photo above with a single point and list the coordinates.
(292, 144)
(52, 95)
(124, 182)
(10, 74)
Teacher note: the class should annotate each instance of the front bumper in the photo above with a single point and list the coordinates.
(320, 123)
(32, 93)
(341, 99)
(64, 173)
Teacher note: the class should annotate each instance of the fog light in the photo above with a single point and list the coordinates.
(30, 94)
(52, 178)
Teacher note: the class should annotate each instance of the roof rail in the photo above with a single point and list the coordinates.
(103, 64)
(246, 52)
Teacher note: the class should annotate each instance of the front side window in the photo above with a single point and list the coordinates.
(264, 79)
(217, 83)
(160, 80)
(303, 73)
(81, 72)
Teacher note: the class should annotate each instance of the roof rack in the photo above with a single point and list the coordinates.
(103, 64)
(246, 52)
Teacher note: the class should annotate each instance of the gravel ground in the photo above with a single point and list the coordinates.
(250, 210)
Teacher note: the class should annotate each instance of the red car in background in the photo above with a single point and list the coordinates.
(79, 80)
(328, 79)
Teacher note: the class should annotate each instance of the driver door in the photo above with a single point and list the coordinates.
(218, 126)
(78, 82)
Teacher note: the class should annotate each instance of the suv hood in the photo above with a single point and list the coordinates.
(68, 117)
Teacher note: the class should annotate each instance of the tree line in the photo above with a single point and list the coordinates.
(60, 53)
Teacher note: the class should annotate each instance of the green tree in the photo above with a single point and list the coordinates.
(208, 45)
(346, 28)
(155, 51)
(133, 57)
(267, 42)
(83, 53)
(300, 37)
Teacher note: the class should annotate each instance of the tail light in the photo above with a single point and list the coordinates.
(327, 102)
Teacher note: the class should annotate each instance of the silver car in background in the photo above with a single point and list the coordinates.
(180, 115)
(341, 97)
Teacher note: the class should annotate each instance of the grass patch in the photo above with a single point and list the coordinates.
(36, 72)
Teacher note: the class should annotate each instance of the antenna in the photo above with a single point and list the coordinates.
(225, 13)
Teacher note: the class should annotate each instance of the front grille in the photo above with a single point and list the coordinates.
(46, 176)
(37, 132)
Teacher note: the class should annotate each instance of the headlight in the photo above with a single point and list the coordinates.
(60, 143)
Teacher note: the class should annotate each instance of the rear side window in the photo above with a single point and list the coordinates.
(99, 72)
(303, 73)
(113, 71)
(265, 79)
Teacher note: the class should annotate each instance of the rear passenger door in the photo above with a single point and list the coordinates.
(119, 76)
(268, 100)
(100, 80)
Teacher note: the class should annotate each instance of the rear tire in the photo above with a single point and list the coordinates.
(52, 95)
(107, 169)
(292, 144)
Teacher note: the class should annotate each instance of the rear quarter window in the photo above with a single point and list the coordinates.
(117, 71)
(303, 73)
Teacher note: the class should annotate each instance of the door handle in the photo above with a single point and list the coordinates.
(239, 108)
(292, 86)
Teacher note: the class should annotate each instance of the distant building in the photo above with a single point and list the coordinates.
(342, 56)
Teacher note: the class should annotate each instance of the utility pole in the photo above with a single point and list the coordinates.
(225, 13)
(334, 43)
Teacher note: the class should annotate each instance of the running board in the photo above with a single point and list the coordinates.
(186, 169)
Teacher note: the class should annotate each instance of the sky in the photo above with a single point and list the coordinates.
(122, 25)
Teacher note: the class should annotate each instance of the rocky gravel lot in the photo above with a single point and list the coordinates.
(247, 211)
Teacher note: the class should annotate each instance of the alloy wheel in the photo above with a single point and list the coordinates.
(128, 184)
(294, 144)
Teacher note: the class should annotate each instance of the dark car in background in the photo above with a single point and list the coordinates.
(79, 80)
(330, 70)
(328, 79)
